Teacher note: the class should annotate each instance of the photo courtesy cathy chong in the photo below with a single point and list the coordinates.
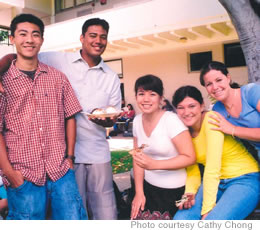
(135, 224)
(195, 225)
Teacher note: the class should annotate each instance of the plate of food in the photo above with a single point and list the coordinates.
(108, 112)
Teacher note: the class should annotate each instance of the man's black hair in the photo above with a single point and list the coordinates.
(95, 22)
(26, 18)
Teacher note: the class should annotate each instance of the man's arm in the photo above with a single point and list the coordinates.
(5, 63)
(14, 176)
(70, 138)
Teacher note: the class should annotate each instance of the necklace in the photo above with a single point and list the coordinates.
(231, 106)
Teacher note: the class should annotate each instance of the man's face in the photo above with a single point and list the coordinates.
(27, 40)
(94, 41)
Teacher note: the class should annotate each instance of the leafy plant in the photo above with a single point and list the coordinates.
(3, 35)
(121, 161)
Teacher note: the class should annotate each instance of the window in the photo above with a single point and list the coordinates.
(68, 3)
(116, 65)
(79, 2)
(197, 60)
(61, 5)
(233, 55)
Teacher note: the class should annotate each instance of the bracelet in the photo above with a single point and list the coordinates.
(233, 131)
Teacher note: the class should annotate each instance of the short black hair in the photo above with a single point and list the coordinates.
(186, 91)
(95, 22)
(26, 18)
(212, 65)
(149, 82)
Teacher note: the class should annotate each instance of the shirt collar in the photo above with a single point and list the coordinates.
(15, 72)
(76, 56)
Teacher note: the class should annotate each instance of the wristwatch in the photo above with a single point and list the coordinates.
(70, 157)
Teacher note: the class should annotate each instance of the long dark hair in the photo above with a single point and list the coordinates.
(215, 65)
(212, 65)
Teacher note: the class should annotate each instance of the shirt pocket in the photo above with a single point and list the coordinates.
(19, 109)
(15, 95)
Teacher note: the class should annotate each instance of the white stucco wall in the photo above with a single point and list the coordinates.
(15, 3)
(5, 49)
(5, 17)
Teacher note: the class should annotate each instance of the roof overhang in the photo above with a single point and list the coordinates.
(147, 27)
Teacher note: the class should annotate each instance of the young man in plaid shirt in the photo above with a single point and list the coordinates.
(37, 131)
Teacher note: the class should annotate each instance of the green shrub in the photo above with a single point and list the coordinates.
(121, 161)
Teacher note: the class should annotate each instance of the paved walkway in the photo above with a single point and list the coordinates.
(122, 180)
(121, 143)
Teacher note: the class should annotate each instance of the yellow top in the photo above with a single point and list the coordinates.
(223, 158)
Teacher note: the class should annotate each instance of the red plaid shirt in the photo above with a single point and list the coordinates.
(32, 120)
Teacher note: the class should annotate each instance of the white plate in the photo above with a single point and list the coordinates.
(102, 115)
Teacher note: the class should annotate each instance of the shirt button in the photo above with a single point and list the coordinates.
(38, 113)
(42, 145)
(40, 129)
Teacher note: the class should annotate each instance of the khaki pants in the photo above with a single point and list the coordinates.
(95, 183)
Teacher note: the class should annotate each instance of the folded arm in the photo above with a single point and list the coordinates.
(185, 157)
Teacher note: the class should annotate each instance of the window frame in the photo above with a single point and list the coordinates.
(191, 68)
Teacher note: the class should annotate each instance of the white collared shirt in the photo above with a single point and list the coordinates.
(95, 87)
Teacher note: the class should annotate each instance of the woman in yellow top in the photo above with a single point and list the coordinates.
(231, 180)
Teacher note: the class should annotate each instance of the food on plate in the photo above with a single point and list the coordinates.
(111, 109)
(138, 150)
(98, 111)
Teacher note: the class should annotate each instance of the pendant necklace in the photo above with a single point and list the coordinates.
(228, 115)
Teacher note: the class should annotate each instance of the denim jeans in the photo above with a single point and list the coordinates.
(3, 194)
(236, 199)
(30, 201)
